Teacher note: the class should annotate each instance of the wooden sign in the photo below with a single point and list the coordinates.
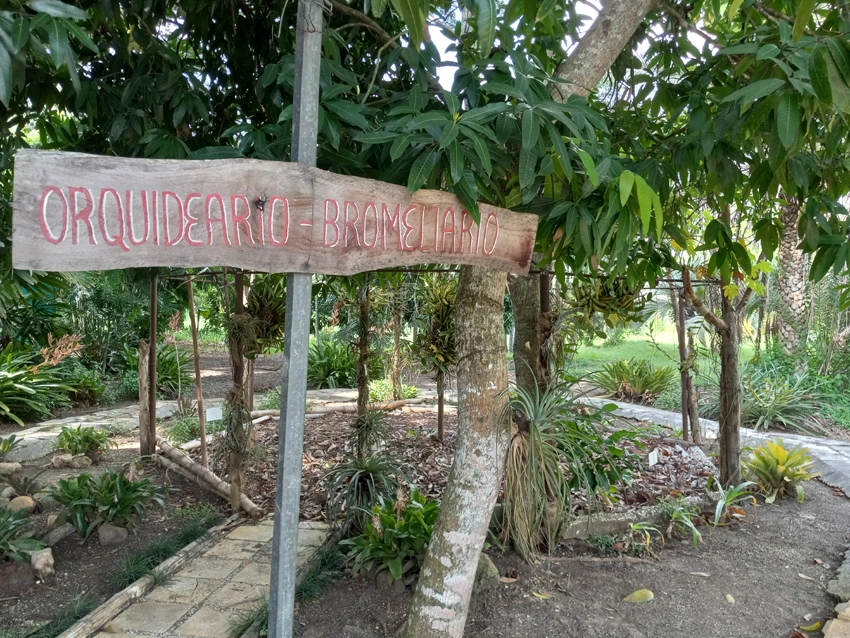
(73, 212)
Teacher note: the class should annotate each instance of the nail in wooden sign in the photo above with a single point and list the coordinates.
(73, 211)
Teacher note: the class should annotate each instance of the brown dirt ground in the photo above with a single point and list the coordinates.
(756, 562)
(87, 567)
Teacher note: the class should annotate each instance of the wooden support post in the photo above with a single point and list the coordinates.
(152, 373)
(202, 417)
(146, 442)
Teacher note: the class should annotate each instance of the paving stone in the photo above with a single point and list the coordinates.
(186, 591)
(311, 537)
(207, 623)
(236, 595)
(213, 568)
(838, 628)
(258, 573)
(256, 533)
(236, 550)
(152, 617)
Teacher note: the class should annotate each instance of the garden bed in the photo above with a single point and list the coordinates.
(426, 462)
(85, 573)
(580, 591)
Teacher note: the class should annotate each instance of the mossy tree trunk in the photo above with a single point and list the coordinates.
(441, 602)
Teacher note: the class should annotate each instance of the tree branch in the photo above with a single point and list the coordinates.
(774, 16)
(742, 302)
(685, 23)
(697, 304)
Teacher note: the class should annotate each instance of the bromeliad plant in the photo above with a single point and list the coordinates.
(7, 444)
(396, 537)
(355, 485)
(552, 434)
(109, 498)
(683, 519)
(27, 389)
(84, 440)
(638, 381)
(15, 543)
(728, 499)
(778, 471)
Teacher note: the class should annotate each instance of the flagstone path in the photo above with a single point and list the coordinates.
(209, 592)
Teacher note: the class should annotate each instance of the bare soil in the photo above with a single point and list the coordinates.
(87, 567)
(579, 594)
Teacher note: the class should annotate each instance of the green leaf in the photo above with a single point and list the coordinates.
(804, 14)
(5, 77)
(788, 118)
(486, 25)
(395, 567)
(378, 7)
(81, 36)
(740, 49)
(467, 191)
(589, 166)
(823, 261)
(755, 90)
(215, 152)
(530, 129)
(20, 34)
(449, 134)
(527, 166)
(483, 152)
(659, 216)
(377, 137)
(428, 120)
(840, 56)
(485, 112)
(743, 258)
(58, 38)
(767, 51)
(347, 112)
(645, 195)
(412, 12)
(733, 8)
(456, 163)
(400, 145)
(58, 9)
(422, 168)
(627, 182)
(451, 102)
(819, 76)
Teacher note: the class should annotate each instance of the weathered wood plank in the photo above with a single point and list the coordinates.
(73, 211)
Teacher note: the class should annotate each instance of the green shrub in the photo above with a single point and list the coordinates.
(396, 537)
(635, 380)
(172, 369)
(769, 399)
(86, 386)
(8, 444)
(357, 484)
(109, 498)
(28, 391)
(188, 428)
(83, 440)
(23, 485)
(381, 390)
(670, 399)
(331, 364)
(778, 471)
(15, 543)
(683, 519)
(271, 401)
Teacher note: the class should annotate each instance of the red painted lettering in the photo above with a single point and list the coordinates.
(328, 222)
(81, 215)
(490, 218)
(447, 230)
(128, 210)
(116, 240)
(191, 221)
(154, 222)
(222, 220)
(394, 223)
(272, 201)
(374, 209)
(350, 224)
(467, 230)
(408, 228)
(45, 226)
(168, 240)
(422, 232)
(240, 220)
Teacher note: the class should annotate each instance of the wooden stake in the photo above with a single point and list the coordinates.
(202, 418)
(145, 441)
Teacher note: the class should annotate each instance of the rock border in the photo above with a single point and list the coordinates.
(97, 619)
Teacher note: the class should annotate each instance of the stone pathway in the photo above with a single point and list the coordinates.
(208, 593)
(831, 457)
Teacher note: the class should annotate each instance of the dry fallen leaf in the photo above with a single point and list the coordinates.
(803, 576)
(798, 634)
(505, 579)
(703, 574)
(812, 627)
(817, 561)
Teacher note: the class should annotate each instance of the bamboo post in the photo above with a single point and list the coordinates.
(202, 418)
(145, 442)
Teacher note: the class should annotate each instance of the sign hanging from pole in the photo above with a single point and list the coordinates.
(74, 211)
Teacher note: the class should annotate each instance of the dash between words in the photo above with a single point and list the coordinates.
(78, 215)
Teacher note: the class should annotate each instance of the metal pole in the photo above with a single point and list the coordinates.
(151, 447)
(293, 393)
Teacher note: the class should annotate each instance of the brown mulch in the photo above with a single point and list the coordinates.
(426, 462)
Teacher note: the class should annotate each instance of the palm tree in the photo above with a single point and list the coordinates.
(793, 269)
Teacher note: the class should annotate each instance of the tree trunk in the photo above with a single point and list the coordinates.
(525, 299)
(363, 307)
(441, 602)
(441, 402)
(679, 316)
(147, 441)
(202, 417)
(395, 360)
(598, 49)
(236, 400)
(730, 398)
(791, 281)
